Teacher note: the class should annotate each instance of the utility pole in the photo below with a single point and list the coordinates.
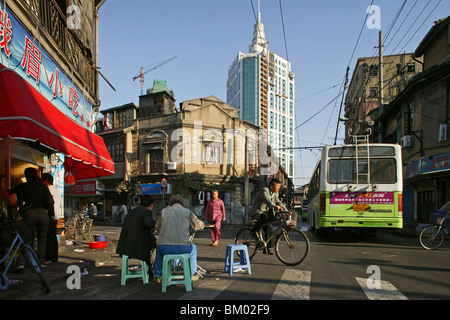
(380, 94)
(342, 101)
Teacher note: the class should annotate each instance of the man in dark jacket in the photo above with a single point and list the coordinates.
(36, 204)
(136, 238)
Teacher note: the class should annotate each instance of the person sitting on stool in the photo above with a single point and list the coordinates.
(173, 225)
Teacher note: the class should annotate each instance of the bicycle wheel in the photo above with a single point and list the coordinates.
(86, 231)
(291, 246)
(35, 266)
(71, 230)
(431, 237)
(244, 236)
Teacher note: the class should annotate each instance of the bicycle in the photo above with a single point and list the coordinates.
(19, 246)
(79, 225)
(431, 237)
(291, 245)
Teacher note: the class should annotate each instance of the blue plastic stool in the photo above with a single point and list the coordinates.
(230, 265)
(168, 278)
(128, 274)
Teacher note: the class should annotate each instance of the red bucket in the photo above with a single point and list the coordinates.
(97, 244)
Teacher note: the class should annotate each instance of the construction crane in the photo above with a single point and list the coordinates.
(141, 75)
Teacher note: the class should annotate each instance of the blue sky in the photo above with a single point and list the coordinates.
(206, 36)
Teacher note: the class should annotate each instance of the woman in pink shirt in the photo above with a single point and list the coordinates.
(215, 214)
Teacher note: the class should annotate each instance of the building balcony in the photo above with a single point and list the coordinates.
(53, 26)
(154, 167)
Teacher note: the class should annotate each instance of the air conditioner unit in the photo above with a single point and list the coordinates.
(406, 141)
(171, 165)
(442, 133)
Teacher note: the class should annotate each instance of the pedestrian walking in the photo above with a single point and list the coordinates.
(215, 214)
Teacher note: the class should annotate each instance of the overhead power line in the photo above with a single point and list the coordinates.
(284, 31)
(310, 118)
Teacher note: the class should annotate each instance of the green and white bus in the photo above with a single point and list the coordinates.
(357, 186)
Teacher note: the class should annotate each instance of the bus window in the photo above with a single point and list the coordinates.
(343, 171)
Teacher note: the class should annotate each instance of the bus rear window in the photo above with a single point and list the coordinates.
(349, 151)
(343, 171)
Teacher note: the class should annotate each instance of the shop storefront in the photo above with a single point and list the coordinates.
(33, 132)
(45, 115)
(85, 192)
(426, 186)
(45, 118)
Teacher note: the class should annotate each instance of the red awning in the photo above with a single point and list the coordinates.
(26, 114)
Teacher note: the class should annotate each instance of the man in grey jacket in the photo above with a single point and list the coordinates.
(173, 225)
(266, 200)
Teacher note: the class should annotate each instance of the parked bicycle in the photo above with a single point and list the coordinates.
(431, 237)
(291, 245)
(19, 247)
(78, 226)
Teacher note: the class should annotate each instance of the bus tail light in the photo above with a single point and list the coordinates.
(400, 204)
(323, 199)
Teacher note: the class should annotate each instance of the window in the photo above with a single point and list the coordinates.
(121, 120)
(409, 118)
(116, 150)
(373, 92)
(271, 119)
(374, 70)
(411, 67)
(212, 154)
(344, 171)
(448, 100)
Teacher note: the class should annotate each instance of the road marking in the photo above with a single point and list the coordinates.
(294, 285)
(387, 291)
(207, 290)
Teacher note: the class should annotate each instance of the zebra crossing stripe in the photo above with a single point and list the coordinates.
(294, 285)
(207, 290)
(387, 291)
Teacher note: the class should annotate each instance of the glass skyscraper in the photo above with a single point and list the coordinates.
(261, 86)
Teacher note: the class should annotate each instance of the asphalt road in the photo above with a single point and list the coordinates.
(340, 266)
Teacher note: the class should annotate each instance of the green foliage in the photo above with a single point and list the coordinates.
(185, 182)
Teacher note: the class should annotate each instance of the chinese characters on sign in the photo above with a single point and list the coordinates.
(23, 53)
(362, 197)
(5, 32)
(32, 60)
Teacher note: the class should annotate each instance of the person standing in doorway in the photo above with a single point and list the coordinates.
(51, 252)
(215, 214)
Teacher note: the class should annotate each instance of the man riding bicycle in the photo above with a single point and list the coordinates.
(263, 210)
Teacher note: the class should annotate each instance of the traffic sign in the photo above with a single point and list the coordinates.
(164, 184)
